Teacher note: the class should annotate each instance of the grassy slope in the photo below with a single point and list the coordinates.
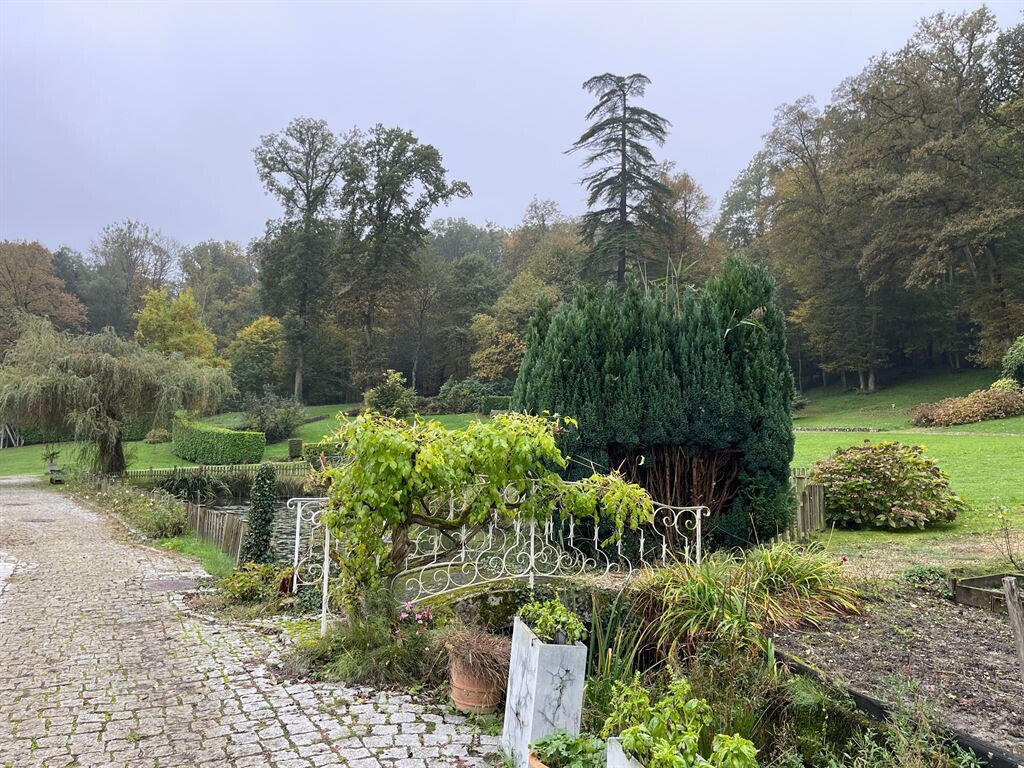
(890, 407)
(985, 462)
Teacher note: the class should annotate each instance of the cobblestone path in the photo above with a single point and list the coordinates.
(99, 666)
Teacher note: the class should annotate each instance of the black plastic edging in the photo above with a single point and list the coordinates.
(993, 756)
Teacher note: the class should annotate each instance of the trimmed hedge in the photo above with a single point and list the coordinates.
(132, 429)
(205, 444)
(490, 403)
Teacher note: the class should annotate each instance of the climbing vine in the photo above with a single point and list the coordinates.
(397, 474)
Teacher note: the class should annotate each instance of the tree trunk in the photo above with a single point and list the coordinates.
(842, 380)
(862, 382)
(112, 460)
(300, 354)
(620, 278)
(872, 378)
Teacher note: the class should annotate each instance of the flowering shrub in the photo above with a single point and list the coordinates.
(980, 405)
(887, 485)
(415, 617)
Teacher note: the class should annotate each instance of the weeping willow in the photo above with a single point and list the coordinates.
(91, 384)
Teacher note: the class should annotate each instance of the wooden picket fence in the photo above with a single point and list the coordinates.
(810, 510)
(224, 530)
(153, 475)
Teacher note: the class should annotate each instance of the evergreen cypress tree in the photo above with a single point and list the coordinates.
(262, 508)
(689, 396)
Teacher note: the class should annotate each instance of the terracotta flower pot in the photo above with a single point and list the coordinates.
(473, 694)
(535, 762)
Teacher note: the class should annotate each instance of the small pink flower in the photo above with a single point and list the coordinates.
(844, 559)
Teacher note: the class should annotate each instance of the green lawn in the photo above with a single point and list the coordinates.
(212, 559)
(889, 407)
(29, 461)
(985, 469)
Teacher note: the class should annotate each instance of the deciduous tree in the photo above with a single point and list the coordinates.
(93, 383)
(30, 285)
(301, 167)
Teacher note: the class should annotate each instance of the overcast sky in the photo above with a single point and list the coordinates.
(150, 111)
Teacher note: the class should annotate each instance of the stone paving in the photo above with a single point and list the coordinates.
(100, 666)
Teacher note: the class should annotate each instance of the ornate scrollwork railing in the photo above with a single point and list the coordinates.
(499, 551)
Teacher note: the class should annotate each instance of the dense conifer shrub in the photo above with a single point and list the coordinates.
(262, 509)
(689, 394)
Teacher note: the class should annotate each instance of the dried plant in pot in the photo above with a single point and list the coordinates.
(478, 662)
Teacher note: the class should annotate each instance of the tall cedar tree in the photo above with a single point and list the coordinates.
(299, 166)
(626, 181)
(688, 395)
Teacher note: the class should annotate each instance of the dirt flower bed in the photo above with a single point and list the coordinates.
(961, 660)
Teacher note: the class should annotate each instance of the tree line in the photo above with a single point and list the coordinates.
(891, 218)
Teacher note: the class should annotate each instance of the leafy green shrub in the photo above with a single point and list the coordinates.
(560, 750)
(980, 405)
(155, 514)
(158, 435)
(495, 403)
(667, 733)
(1005, 384)
(262, 511)
(295, 448)
(552, 622)
(396, 473)
(391, 397)
(200, 487)
(886, 485)
(205, 444)
(276, 417)
(461, 395)
(255, 582)
(1013, 362)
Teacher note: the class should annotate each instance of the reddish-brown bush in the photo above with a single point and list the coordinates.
(980, 405)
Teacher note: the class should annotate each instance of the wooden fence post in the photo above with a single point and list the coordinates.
(1016, 617)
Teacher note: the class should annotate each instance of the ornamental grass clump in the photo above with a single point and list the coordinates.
(886, 485)
(480, 654)
(729, 600)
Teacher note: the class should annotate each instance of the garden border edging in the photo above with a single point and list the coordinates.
(994, 756)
